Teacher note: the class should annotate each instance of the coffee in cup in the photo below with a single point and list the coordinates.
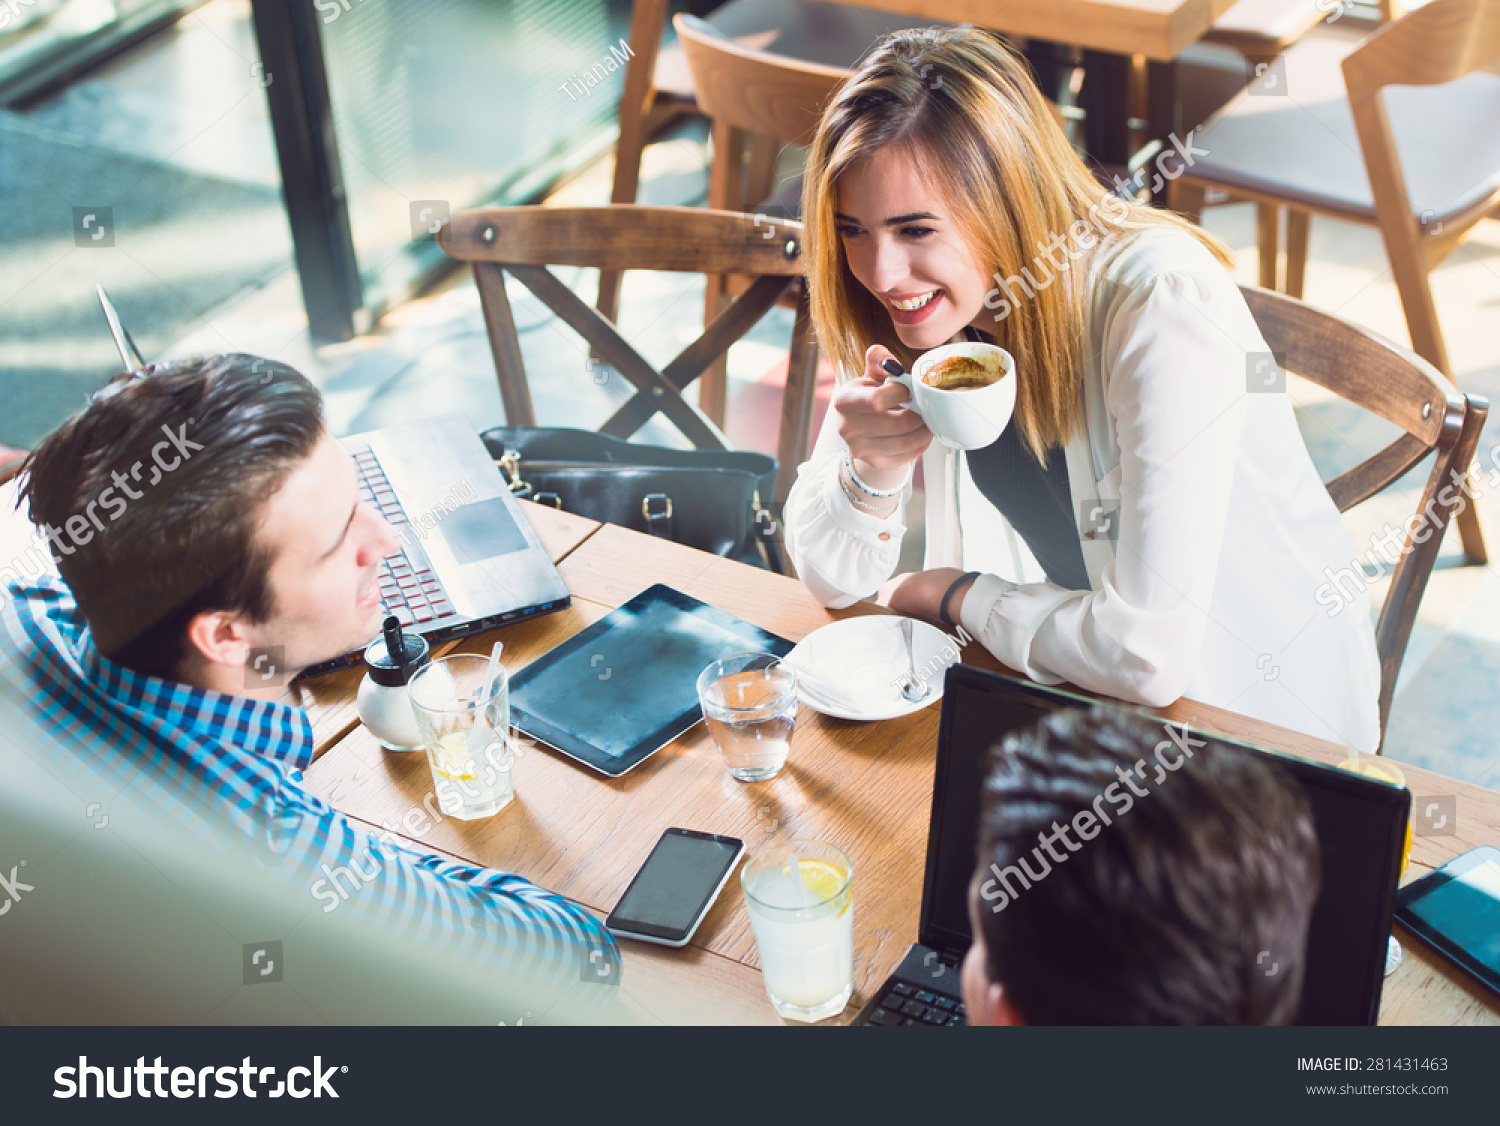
(965, 393)
(963, 373)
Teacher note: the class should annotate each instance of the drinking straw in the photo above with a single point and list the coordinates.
(489, 676)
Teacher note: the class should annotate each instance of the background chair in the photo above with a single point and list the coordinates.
(524, 241)
(659, 85)
(1406, 390)
(758, 102)
(1422, 163)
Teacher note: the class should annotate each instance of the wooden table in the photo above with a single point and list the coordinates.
(1111, 32)
(1158, 29)
(866, 787)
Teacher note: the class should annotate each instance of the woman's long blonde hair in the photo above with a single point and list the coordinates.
(967, 109)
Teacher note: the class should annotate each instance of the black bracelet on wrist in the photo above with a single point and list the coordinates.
(943, 606)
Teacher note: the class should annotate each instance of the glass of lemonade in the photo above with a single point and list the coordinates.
(465, 735)
(800, 895)
(750, 705)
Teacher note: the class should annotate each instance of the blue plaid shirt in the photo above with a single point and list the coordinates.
(230, 766)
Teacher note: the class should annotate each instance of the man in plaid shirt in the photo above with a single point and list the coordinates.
(199, 512)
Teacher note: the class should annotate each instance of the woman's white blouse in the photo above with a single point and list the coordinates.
(1224, 529)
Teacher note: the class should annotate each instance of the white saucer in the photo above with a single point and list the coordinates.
(852, 669)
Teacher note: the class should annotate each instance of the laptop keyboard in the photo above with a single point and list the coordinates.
(903, 1004)
(409, 587)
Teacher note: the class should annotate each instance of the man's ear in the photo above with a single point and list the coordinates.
(1001, 1012)
(217, 638)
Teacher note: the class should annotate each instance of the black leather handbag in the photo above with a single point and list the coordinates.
(706, 499)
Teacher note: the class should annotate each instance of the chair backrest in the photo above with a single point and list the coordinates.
(524, 241)
(1407, 391)
(757, 91)
(1433, 45)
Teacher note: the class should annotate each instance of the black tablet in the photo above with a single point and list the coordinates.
(624, 688)
(1456, 910)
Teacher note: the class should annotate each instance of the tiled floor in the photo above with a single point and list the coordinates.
(432, 356)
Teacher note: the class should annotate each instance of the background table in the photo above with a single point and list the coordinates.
(866, 787)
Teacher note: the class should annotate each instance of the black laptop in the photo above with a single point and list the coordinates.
(1361, 827)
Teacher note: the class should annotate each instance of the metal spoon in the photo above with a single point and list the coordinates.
(913, 690)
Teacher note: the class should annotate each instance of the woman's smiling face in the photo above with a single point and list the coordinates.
(901, 243)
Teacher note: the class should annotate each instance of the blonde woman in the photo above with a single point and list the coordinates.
(1149, 525)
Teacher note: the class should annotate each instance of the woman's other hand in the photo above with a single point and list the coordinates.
(920, 593)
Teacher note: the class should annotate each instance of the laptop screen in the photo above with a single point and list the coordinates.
(1360, 825)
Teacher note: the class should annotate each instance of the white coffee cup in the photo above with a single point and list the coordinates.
(968, 419)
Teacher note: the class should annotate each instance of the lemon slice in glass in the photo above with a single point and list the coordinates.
(452, 758)
(821, 878)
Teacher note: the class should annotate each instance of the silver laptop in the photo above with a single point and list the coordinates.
(468, 558)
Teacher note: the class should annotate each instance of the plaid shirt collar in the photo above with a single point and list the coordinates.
(71, 673)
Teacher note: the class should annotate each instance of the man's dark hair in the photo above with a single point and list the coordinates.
(1180, 905)
(150, 498)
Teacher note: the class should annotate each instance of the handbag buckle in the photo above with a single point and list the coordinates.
(652, 517)
(510, 462)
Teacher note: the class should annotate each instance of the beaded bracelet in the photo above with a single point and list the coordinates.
(870, 508)
(854, 477)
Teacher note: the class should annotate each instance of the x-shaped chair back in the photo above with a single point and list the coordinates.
(524, 241)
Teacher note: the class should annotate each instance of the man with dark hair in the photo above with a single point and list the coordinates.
(1131, 874)
(201, 516)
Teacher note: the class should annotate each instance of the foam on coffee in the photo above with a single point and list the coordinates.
(963, 373)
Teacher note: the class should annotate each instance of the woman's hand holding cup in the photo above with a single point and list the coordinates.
(883, 437)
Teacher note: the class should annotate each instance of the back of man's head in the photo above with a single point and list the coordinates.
(151, 495)
(1188, 874)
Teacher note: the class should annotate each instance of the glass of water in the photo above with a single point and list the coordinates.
(800, 896)
(465, 732)
(750, 705)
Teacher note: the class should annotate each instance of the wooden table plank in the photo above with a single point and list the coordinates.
(1429, 989)
(663, 985)
(1158, 29)
(560, 532)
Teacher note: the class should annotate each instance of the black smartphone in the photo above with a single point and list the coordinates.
(1456, 910)
(675, 887)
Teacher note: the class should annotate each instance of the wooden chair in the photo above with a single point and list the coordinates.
(659, 85)
(1406, 390)
(1332, 151)
(1260, 30)
(758, 102)
(524, 241)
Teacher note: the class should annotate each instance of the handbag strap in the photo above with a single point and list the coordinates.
(565, 444)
